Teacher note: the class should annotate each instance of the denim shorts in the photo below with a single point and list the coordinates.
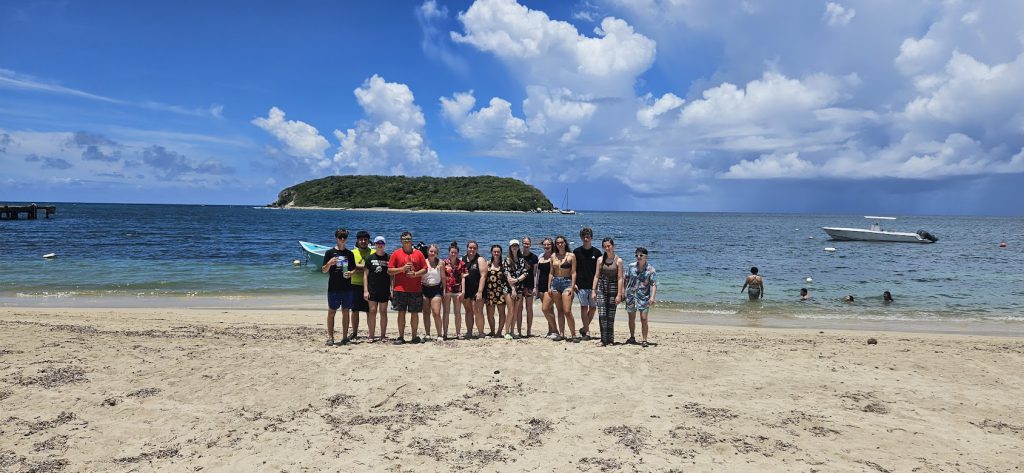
(584, 295)
(339, 300)
(560, 284)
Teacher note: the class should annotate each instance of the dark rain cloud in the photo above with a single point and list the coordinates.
(94, 153)
(172, 164)
(84, 138)
(48, 162)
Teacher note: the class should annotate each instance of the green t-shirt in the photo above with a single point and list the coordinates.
(359, 256)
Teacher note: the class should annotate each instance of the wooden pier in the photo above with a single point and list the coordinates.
(12, 212)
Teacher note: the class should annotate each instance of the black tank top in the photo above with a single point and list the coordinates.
(472, 270)
(543, 272)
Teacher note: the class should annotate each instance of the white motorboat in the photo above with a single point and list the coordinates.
(876, 233)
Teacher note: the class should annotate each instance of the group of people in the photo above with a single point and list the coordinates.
(416, 280)
(754, 285)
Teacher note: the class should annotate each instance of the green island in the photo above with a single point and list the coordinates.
(476, 193)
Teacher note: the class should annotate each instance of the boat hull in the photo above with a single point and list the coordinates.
(860, 234)
(314, 253)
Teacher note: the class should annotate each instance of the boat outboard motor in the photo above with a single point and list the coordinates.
(927, 236)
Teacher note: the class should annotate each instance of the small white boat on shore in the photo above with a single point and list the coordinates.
(876, 233)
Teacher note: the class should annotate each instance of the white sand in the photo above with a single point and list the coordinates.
(175, 389)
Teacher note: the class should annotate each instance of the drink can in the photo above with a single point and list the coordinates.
(342, 262)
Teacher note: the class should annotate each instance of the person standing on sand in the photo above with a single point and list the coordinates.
(641, 287)
(495, 290)
(433, 291)
(473, 285)
(529, 288)
(377, 288)
(547, 300)
(339, 263)
(754, 285)
(514, 269)
(359, 304)
(455, 273)
(586, 267)
(407, 265)
(560, 286)
(606, 291)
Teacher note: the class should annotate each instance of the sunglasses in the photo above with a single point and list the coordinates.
(406, 240)
(641, 255)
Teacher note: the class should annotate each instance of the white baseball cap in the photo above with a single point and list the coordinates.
(513, 242)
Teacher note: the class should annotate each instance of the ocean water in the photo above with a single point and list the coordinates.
(181, 252)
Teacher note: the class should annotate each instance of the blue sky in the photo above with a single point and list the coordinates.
(850, 106)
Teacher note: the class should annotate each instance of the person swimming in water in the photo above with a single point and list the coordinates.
(886, 297)
(804, 295)
(754, 285)
(848, 299)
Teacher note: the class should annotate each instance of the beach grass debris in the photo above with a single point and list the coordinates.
(633, 438)
(602, 464)
(62, 418)
(535, 428)
(340, 399)
(144, 393)
(52, 377)
(149, 456)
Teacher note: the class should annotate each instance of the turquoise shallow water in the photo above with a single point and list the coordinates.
(176, 252)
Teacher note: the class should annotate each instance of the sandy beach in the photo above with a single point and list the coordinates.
(172, 389)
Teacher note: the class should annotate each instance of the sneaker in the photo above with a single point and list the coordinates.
(630, 341)
(329, 342)
(354, 336)
(400, 341)
(552, 335)
(508, 336)
(576, 340)
(417, 339)
(644, 344)
(556, 338)
(344, 341)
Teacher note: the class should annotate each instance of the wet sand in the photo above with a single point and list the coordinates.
(176, 389)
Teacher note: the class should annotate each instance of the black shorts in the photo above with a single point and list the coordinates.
(380, 297)
(358, 303)
(431, 292)
(407, 301)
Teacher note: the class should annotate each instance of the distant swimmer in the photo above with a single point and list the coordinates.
(754, 285)
(804, 295)
(848, 299)
(886, 297)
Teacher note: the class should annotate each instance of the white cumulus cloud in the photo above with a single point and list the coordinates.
(838, 15)
(391, 139)
(299, 139)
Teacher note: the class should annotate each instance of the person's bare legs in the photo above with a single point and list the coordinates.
(547, 308)
(415, 316)
(344, 323)
(587, 316)
(382, 312)
(490, 317)
(470, 317)
(507, 318)
(643, 324)
(401, 324)
(446, 306)
(632, 325)
(330, 323)
(567, 297)
(355, 322)
(478, 311)
(528, 305)
(457, 302)
(371, 319)
(511, 303)
(435, 310)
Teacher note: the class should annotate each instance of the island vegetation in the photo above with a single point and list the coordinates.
(476, 193)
